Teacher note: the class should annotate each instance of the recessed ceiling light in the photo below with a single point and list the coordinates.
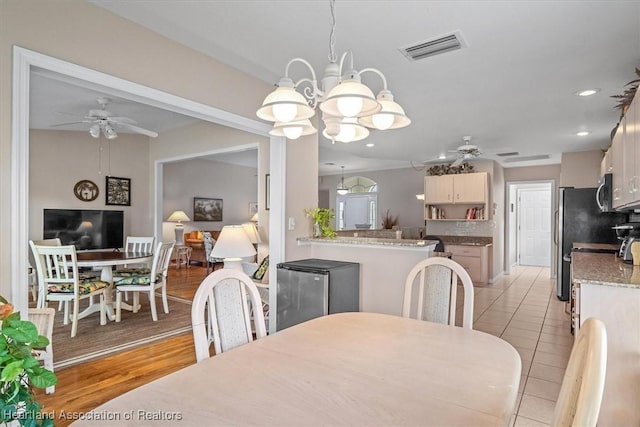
(582, 133)
(370, 144)
(587, 92)
(442, 156)
(329, 164)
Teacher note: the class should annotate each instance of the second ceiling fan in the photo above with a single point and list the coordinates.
(102, 121)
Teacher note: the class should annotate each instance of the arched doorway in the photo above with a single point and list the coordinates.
(357, 209)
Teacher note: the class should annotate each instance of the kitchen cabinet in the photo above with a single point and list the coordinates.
(625, 159)
(475, 259)
(451, 192)
(609, 289)
(606, 166)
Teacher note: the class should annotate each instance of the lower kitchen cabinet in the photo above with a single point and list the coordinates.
(475, 259)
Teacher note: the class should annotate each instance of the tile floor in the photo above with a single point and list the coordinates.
(522, 309)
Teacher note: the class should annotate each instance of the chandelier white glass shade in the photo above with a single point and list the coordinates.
(340, 96)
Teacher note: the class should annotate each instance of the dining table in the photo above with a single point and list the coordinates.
(356, 369)
(106, 260)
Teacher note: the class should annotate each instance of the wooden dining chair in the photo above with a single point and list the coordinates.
(222, 312)
(580, 395)
(43, 319)
(147, 283)
(435, 296)
(60, 280)
(35, 285)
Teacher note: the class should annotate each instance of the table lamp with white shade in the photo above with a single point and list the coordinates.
(232, 245)
(179, 217)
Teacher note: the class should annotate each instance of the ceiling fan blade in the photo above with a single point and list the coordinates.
(122, 120)
(138, 129)
(72, 123)
(457, 162)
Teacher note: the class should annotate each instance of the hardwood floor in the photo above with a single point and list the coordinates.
(83, 387)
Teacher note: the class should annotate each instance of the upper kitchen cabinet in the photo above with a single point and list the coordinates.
(625, 148)
(450, 193)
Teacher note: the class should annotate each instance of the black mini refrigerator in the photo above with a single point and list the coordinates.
(311, 288)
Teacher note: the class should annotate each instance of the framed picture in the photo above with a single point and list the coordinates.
(205, 209)
(118, 191)
(253, 209)
(267, 192)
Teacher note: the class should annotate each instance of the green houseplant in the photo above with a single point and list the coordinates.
(322, 218)
(20, 371)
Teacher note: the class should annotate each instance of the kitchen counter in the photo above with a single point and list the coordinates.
(596, 246)
(603, 269)
(467, 240)
(607, 288)
(428, 245)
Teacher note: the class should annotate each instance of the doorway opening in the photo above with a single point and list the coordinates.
(530, 224)
(358, 208)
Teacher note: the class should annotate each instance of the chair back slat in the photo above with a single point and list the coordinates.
(161, 260)
(436, 294)
(140, 244)
(223, 308)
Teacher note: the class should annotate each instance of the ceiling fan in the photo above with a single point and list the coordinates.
(101, 120)
(467, 151)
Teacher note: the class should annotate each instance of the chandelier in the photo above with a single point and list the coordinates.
(349, 108)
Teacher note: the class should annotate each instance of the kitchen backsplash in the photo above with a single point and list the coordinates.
(461, 228)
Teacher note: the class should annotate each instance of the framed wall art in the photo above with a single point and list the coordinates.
(86, 190)
(118, 191)
(267, 192)
(205, 209)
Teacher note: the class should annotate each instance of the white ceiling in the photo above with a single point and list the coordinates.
(512, 88)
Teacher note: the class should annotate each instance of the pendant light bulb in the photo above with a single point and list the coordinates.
(349, 106)
(285, 112)
(292, 132)
(347, 133)
(382, 121)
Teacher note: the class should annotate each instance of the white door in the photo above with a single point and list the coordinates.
(534, 227)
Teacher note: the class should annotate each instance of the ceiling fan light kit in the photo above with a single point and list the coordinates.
(348, 106)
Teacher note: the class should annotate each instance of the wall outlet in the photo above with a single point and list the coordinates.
(292, 223)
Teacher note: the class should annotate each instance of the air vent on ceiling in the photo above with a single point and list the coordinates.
(435, 46)
(510, 153)
(526, 158)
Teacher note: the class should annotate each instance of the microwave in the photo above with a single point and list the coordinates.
(605, 192)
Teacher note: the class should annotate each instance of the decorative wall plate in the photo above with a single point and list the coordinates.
(86, 190)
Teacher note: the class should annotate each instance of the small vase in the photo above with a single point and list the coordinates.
(316, 230)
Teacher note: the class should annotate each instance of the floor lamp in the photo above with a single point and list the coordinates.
(179, 217)
(232, 245)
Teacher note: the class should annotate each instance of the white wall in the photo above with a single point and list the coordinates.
(59, 159)
(581, 169)
(184, 180)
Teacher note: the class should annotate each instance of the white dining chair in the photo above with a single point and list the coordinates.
(430, 292)
(222, 312)
(578, 403)
(43, 319)
(147, 283)
(59, 279)
(40, 303)
(135, 244)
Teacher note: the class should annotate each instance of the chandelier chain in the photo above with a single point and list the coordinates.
(332, 36)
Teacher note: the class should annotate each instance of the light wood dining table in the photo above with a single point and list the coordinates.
(356, 369)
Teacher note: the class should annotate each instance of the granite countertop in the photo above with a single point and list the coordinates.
(604, 269)
(373, 241)
(467, 240)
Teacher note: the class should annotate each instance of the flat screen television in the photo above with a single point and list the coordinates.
(85, 229)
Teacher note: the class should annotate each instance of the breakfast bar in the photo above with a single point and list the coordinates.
(384, 265)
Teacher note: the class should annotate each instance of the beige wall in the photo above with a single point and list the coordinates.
(74, 31)
(59, 159)
(581, 169)
(533, 173)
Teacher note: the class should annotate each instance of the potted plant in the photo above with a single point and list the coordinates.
(322, 218)
(20, 371)
(389, 221)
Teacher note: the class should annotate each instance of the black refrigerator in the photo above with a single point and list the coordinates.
(580, 220)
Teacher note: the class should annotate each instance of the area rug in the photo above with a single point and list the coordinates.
(135, 329)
